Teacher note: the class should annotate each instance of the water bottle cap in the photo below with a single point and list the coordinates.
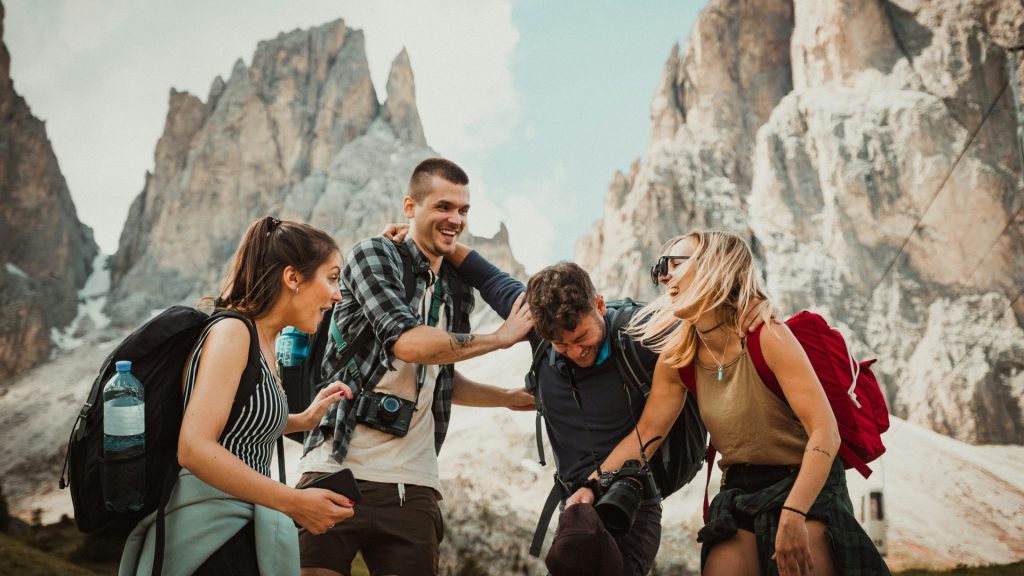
(123, 365)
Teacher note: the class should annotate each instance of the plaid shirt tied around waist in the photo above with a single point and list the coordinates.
(854, 553)
(373, 298)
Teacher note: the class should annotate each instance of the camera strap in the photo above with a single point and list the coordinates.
(433, 318)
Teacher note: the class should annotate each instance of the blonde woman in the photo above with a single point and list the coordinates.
(783, 507)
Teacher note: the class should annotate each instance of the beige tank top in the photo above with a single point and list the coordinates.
(747, 422)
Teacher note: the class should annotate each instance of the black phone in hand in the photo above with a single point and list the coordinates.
(341, 482)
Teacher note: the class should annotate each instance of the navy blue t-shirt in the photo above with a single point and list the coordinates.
(602, 393)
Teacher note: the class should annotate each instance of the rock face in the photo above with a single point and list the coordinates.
(299, 134)
(874, 169)
(47, 254)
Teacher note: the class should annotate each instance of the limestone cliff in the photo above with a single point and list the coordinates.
(299, 134)
(874, 169)
(46, 252)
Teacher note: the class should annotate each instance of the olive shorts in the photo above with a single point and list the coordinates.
(394, 537)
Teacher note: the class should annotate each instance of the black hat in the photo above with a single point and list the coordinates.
(582, 546)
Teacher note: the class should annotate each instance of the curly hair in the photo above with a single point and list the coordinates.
(559, 296)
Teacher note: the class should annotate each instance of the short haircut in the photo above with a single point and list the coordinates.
(559, 296)
(420, 184)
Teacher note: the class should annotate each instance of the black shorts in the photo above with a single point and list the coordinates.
(752, 478)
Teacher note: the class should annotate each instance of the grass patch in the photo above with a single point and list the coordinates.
(1015, 569)
(17, 558)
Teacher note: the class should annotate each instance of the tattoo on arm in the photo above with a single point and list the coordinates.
(818, 449)
(463, 340)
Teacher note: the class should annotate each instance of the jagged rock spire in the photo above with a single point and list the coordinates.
(400, 108)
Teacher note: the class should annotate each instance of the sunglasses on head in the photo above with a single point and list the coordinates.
(661, 268)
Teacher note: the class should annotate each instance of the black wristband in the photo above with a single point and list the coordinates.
(594, 484)
(804, 514)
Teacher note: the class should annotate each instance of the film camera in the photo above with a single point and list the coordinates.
(622, 492)
(384, 412)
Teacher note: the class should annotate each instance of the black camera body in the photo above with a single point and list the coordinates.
(622, 492)
(384, 412)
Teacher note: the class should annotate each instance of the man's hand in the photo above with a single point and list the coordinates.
(751, 318)
(518, 324)
(582, 496)
(520, 400)
(395, 232)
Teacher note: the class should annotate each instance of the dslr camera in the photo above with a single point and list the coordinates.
(622, 492)
(384, 412)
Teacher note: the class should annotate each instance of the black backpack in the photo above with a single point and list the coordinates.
(680, 456)
(301, 383)
(158, 350)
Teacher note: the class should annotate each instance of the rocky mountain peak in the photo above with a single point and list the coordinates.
(47, 253)
(400, 108)
(5, 56)
(853, 143)
(667, 109)
(298, 134)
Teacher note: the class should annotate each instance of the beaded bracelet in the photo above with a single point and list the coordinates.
(804, 514)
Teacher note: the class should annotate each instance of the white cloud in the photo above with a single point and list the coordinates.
(99, 72)
(531, 232)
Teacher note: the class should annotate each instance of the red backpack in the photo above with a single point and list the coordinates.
(852, 390)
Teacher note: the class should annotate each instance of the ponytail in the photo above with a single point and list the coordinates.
(268, 246)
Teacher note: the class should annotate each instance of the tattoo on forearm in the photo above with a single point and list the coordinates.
(463, 341)
(818, 449)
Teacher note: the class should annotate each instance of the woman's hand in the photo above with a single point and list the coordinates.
(318, 510)
(792, 549)
(395, 232)
(328, 395)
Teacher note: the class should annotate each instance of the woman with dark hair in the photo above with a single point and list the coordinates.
(284, 274)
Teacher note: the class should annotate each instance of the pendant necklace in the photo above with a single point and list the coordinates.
(721, 367)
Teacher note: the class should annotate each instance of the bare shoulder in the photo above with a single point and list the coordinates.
(777, 341)
(228, 337)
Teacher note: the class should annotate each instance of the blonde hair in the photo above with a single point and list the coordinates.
(722, 279)
(667, 246)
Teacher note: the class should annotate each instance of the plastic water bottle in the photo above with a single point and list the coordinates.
(292, 347)
(124, 441)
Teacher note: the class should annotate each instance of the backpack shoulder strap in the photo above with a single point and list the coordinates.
(757, 358)
(533, 385)
(457, 288)
(625, 349)
(688, 374)
(408, 275)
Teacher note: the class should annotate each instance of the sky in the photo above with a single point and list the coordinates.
(553, 96)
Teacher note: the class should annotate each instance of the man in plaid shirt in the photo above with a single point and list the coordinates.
(403, 366)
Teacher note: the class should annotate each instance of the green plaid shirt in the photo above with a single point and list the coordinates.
(373, 298)
(853, 550)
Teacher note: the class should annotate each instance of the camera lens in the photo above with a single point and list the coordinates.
(389, 408)
(618, 507)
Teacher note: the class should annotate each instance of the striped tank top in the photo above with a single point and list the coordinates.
(252, 436)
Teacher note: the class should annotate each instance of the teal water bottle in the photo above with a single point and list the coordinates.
(123, 475)
(292, 347)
